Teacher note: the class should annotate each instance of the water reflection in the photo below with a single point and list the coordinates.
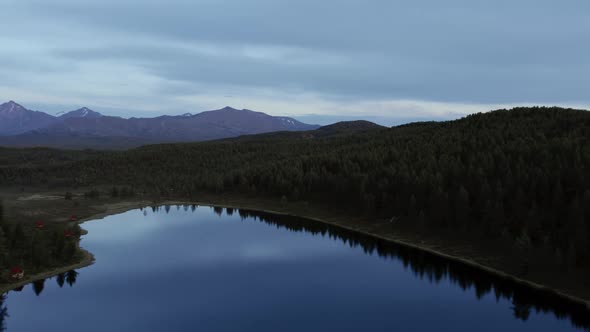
(432, 268)
(71, 277)
(3, 312)
(61, 279)
(427, 266)
(38, 286)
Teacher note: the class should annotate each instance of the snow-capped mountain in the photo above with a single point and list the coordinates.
(40, 129)
(15, 119)
(83, 112)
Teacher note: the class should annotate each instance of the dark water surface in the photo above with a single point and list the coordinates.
(208, 269)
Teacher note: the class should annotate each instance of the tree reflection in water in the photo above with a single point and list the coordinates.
(38, 286)
(71, 277)
(3, 313)
(61, 279)
(433, 268)
(424, 265)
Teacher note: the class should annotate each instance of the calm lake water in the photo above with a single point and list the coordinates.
(185, 269)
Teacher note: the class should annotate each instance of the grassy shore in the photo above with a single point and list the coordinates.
(87, 259)
(22, 205)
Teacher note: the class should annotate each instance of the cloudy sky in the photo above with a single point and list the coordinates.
(319, 61)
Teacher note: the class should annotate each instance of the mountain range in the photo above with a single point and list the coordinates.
(85, 128)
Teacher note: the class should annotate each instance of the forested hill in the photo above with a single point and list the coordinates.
(348, 127)
(521, 175)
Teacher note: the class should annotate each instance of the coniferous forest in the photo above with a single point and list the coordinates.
(520, 175)
(36, 248)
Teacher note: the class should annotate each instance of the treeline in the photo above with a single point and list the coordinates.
(521, 176)
(36, 247)
(42, 156)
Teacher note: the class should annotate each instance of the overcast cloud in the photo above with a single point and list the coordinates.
(380, 59)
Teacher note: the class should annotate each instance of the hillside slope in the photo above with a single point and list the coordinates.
(15, 119)
(520, 176)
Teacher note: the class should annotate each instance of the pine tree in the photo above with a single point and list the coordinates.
(58, 244)
(69, 251)
(462, 208)
(18, 237)
(3, 249)
(586, 205)
(577, 230)
(421, 221)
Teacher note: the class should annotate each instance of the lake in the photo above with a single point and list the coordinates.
(188, 268)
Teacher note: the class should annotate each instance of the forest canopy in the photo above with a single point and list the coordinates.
(520, 174)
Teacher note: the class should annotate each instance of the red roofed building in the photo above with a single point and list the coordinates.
(39, 225)
(17, 273)
(68, 233)
(73, 218)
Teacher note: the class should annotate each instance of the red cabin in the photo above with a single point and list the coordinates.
(39, 225)
(68, 233)
(17, 273)
(73, 218)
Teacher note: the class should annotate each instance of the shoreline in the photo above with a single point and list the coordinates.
(87, 260)
(465, 261)
(124, 206)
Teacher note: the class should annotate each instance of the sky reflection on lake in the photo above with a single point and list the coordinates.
(186, 270)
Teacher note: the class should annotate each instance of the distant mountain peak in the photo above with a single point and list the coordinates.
(16, 119)
(83, 112)
(229, 108)
(11, 107)
(29, 128)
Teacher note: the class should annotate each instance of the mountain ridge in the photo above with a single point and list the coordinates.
(16, 119)
(87, 127)
(83, 112)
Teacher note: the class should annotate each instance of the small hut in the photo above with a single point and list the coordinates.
(73, 218)
(68, 233)
(17, 273)
(39, 225)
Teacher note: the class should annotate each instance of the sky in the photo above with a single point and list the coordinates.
(319, 61)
